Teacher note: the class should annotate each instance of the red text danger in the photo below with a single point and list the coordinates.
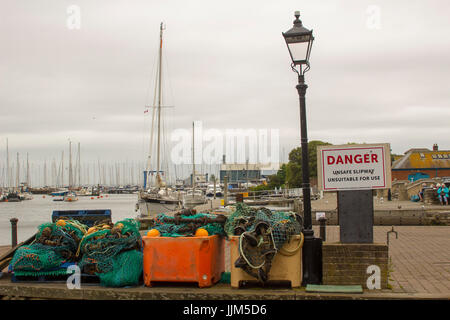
(350, 159)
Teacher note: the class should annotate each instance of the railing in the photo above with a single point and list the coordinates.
(284, 193)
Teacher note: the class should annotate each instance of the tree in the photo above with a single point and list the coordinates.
(278, 180)
(294, 167)
(274, 181)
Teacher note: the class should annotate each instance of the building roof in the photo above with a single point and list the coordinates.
(423, 159)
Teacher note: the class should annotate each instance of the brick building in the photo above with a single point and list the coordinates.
(422, 163)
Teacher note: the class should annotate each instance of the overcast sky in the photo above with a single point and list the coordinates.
(379, 72)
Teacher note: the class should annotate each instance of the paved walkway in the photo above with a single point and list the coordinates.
(420, 257)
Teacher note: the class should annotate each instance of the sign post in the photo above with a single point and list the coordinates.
(354, 171)
(355, 216)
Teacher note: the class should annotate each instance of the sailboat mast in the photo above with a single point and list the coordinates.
(79, 165)
(62, 169)
(17, 172)
(159, 104)
(99, 172)
(193, 159)
(28, 172)
(8, 184)
(70, 165)
(45, 173)
(54, 181)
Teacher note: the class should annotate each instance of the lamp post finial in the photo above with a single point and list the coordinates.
(297, 18)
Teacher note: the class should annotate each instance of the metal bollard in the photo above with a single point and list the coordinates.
(389, 232)
(323, 231)
(13, 231)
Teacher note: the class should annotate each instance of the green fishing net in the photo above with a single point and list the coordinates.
(186, 223)
(126, 269)
(262, 233)
(54, 245)
(114, 254)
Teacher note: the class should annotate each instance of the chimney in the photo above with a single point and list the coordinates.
(435, 147)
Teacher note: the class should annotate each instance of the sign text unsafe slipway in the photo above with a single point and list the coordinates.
(354, 167)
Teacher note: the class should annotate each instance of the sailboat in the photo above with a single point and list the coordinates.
(157, 198)
(210, 191)
(195, 196)
(11, 194)
(14, 194)
(70, 196)
(25, 194)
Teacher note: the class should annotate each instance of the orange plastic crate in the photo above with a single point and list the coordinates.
(184, 259)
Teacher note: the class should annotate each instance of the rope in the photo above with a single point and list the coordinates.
(286, 252)
(78, 225)
(97, 228)
(243, 255)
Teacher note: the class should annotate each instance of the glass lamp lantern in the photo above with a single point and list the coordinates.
(299, 42)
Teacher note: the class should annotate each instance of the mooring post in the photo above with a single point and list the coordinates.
(225, 193)
(13, 231)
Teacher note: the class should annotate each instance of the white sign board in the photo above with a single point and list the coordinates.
(320, 215)
(354, 167)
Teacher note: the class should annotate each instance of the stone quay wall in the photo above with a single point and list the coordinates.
(347, 263)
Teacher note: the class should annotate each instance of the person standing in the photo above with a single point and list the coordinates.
(442, 192)
(421, 192)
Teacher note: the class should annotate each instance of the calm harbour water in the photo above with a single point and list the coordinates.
(32, 213)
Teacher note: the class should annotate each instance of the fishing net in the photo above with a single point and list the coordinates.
(54, 245)
(262, 233)
(126, 270)
(113, 252)
(185, 223)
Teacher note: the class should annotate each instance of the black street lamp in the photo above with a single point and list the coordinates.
(299, 42)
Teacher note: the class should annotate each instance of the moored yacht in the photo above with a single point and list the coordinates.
(159, 198)
(70, 197)
(193, 198)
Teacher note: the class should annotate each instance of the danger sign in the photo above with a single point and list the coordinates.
(354, 167)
